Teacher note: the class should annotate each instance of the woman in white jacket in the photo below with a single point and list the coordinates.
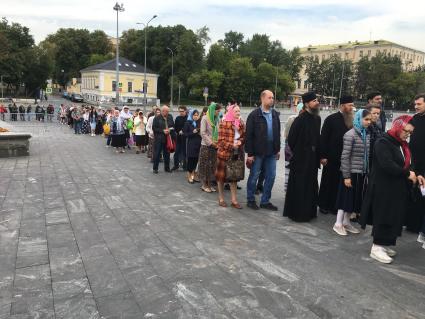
(140, 132)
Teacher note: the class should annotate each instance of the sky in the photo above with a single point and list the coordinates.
(293, 22)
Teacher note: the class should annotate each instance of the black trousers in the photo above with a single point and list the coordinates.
(160, 147)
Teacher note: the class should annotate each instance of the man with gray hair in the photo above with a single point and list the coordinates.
(162, 126)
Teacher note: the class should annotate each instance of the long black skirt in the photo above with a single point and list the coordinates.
(350, 199)
(329, 184)
(118, 140)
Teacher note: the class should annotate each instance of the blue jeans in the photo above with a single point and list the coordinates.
(77, 126)
(108, 140)
(269, 177)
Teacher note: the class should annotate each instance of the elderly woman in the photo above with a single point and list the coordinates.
(388, 191)
(140, 132)
(117, 124)
(230, 155)
(208, 151)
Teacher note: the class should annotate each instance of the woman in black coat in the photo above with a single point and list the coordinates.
(191, 131)
(389, 187)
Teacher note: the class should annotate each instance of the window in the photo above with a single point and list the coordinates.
(346, 55)
(299, 84)
(305, 84)
(114, 86)
(130, 87)
(323, 57)
(361, 54)
(369, 52)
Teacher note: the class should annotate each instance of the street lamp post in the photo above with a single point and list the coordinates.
(145, 84)
(172, 75)
(118, 8)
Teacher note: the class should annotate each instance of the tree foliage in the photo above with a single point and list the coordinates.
(22, 64)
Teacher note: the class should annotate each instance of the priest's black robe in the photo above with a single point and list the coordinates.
(416, 211)
(331, 141)
(302, 192)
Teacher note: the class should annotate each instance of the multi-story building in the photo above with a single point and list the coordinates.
(98, 82)
(354, 51)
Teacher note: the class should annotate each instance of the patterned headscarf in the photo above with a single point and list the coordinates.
(230, 116)
(398, 125)
(358, 126)
(213, 121)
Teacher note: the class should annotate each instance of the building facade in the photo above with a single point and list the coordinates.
(354, 51)
(98, 83)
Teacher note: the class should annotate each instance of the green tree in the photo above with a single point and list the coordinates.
(186, 45)
(75, 49)
(211, 79)
(218, 58)
(240, 79)
(233, 41)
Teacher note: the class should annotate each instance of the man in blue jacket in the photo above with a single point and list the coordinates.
(263, 146)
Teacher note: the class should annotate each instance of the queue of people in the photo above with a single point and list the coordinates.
(26, 112)
(370, 176)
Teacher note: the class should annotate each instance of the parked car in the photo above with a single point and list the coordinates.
(77, 97)
(65, 95)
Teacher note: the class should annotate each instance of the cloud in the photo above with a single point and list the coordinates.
(293, 22)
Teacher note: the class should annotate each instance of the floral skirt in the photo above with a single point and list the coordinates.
(150, 148)
(207, 163)
(85, 127)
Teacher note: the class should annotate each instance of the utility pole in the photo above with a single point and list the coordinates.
(145, 83)
(118, 8)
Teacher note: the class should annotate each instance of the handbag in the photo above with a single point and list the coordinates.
(171, 146)
(235, 169)
(106, 129)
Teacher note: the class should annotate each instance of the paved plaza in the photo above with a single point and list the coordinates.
(87, 233)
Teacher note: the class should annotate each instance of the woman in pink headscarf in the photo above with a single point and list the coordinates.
(389, 186)
(230, 154)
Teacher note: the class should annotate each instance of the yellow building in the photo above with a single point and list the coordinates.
(354, 51)
(74, 86)
(98, 82)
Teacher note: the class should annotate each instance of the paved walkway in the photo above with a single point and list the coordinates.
(87, 233)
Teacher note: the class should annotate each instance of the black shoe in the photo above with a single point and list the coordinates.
(269, 206)
(155, 171)
(253, 205)
(227, 187)
(238, 187)
(167, 170)
(175, 168)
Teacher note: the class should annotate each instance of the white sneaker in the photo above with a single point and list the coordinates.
(421, 238)
(340, 230)
(390, 252)
(379, 253)
(351, 229)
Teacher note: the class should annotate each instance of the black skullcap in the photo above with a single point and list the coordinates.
(308, 97)
(346, 99)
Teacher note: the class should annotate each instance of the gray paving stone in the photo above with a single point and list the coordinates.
(122, 306)
(156, 247)
(105, 277)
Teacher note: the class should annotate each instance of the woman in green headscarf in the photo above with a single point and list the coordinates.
(208, 151)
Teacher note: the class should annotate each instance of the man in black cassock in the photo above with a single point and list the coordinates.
(416, 211)
(304, 141)
(331, 141)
